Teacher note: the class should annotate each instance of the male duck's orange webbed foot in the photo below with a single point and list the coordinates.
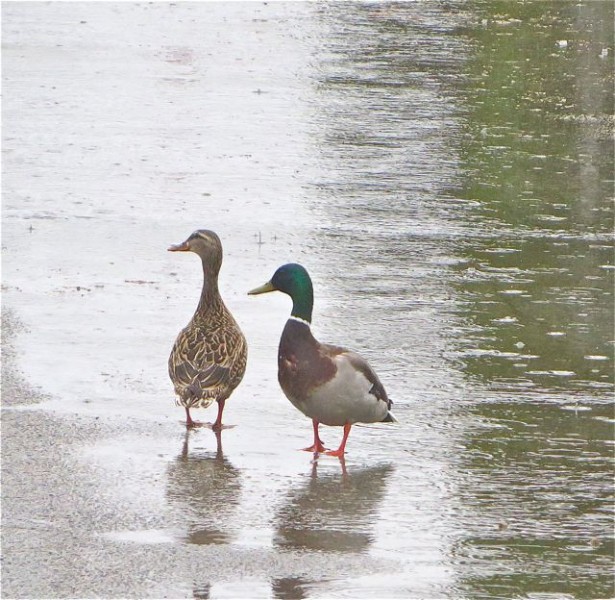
(340, 451)
(316, 448)
(318, 445)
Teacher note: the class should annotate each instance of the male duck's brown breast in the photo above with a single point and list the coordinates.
(299, 376)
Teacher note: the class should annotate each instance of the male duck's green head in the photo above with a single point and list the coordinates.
(292, 279)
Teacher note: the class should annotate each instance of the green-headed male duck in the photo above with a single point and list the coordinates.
(209, 357)
(328, 384)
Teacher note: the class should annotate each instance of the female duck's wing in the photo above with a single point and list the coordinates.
(205, 361)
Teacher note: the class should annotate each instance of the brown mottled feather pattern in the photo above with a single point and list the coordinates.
(208, 359)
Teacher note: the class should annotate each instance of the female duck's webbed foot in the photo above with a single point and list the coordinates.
(217, 426)
(190, 424)
(318, 445)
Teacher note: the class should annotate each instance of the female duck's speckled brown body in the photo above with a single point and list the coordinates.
(209, 357)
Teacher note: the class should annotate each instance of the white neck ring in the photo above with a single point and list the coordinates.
(299, 320)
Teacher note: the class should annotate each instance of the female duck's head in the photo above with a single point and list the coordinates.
(292, 279)
(207, 245)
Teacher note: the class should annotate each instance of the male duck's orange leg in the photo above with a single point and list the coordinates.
(318, 445)
(340, 451)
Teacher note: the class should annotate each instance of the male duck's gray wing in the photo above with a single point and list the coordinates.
(360, 364)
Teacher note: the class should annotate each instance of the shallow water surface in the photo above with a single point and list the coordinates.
(444, 171)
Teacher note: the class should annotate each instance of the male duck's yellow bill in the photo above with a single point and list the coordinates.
(263, 289)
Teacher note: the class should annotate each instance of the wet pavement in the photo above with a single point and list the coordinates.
(444, 171)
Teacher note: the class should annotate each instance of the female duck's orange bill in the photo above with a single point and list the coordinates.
(183, 247)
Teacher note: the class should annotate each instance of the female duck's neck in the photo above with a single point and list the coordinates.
(210, 296)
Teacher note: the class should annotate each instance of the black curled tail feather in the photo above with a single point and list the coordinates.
(389, 418)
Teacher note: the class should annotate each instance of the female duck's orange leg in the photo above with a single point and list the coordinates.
(217, 426)
(318, 445)
(340, 451)
(189, 422)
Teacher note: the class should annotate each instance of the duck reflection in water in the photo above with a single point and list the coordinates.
(333, 512)
(290, 588)
(205, 488)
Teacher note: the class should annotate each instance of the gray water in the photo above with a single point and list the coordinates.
(445, 173)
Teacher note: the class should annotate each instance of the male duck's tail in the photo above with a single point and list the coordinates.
(390, 418)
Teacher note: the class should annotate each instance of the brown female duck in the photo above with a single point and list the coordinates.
(209, 357)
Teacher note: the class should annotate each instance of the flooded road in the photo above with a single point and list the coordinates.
(444, 171)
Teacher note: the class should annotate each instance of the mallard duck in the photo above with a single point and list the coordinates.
(209, 357)
(329, 384)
